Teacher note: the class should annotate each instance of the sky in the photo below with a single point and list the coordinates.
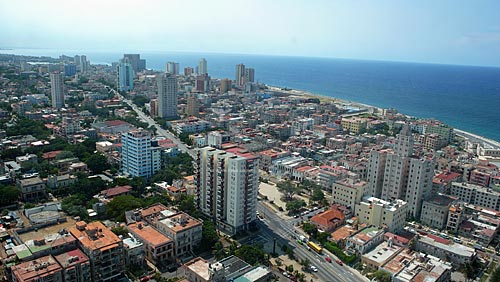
(446, 31)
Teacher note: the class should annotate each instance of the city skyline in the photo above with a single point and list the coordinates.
(446, 32)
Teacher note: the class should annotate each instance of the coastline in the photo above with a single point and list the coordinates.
(462, 133)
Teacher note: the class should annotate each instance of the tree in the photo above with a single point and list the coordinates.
(382, 276)
(317, 195)
(288, 189)
(310, 229)
(97, 163)
(209, 236)
(187, 204)
(10, 194)
(117, 207)
(295, 205)
(251, 254)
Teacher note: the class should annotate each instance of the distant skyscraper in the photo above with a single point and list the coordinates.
(84, 64)
(192, 105)
(153, 105)
(227, 187)
(202, 83)
(202, 67)
(125, 74)
(225, 85)
(173, 68)
(69, 69)
(57, 89)
(249, 75)
(139, 157)
(188, 71)
(138, 64)
(240, 74)
(167, 95)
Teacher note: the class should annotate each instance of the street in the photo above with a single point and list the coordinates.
(273, 226)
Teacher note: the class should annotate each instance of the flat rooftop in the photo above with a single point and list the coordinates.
(382, 253)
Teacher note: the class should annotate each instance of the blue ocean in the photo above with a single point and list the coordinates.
(466, 97)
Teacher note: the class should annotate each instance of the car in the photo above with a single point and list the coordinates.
(314, 268)
(457, 240)
(339, 262)
(328, 259)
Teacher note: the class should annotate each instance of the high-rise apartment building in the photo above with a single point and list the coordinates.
(84, 64)
(137, 63)
(202, 67)
(250, 75)
(202, 83)
(153, 107)
(225, 85)
(139, 157)
(227, 185)
(403, 176)
(188, 71)
(172, 68)
(167, 95)
(192, 105)
(125, 75)
(57, 90)
(240, 75)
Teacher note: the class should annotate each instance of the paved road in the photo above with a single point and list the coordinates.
(159, 130)
(272, 226)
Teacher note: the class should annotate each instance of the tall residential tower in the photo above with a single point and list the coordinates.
(167, 95)
(227, 184)
(57, 89)
(125, 75)
(139, 157)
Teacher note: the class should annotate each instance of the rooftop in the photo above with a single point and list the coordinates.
(180, 222)
(382, 253)
(94, 235)
(198, 266)
(35, 270)
(148, 234)
(71, 258)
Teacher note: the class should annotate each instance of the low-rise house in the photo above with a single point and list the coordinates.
(328, 220)
(457, 254)
(365, 240)
(42, 269)
(32, 189)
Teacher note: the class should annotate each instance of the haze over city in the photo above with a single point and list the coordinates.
(450, 32)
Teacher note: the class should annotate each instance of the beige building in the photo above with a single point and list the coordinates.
(354, 124)
(348, 192)
(158, 247)
(374, 211)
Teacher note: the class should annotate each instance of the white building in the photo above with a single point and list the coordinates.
(172, 68)
(57, 89)
(139, 158)
(373, 211)
(167, 95)
(202, 67)
(419, 186)
(125, 75)
(227, 186)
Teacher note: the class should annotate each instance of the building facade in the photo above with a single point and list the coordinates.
(139, 157)
(227, 187)
(167, 95)
(57, 90)
(125, 75)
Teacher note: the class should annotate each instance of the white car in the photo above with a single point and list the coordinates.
(314, 268)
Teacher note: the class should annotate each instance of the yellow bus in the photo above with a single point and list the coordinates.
(315, 247)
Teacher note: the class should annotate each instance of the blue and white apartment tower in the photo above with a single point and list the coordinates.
(125, 73)
(139, 157)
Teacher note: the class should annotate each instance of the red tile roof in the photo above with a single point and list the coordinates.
(327, 217)
(116, 191)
